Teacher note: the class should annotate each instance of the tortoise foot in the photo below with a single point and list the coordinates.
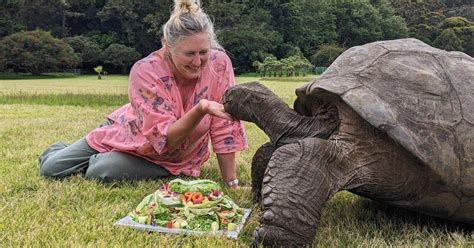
(273, 236)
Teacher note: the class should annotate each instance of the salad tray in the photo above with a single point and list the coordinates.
(188, 207)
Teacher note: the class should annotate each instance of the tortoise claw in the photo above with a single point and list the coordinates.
(272, 236)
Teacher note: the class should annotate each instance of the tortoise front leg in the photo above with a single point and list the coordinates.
(259, 165)
(300, 178)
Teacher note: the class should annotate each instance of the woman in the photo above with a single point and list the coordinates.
(174, 111)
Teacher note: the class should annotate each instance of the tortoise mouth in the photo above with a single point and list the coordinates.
(226, 101)
(226, 107)
(230, 105)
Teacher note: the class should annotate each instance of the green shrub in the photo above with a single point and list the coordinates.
(326, 55)
(88, 50)
(36, 52)
(121, 56)
(449, 41)
(455, 21)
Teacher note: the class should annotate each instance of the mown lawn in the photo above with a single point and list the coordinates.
(35, 211)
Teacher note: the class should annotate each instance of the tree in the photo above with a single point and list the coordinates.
(392, 25)
(45, 15)
(468, 39)
(248, 30)
(457, 3)
(121, 56)
(8, 20)
(88, 51)
(104, 40)
(269, 65)
(449, 41)
(466, 11)
(301, 23)
(36, 52)
(294, 65)
(326, 55)
(81, 16)
(99, 69)
(357, 22)
(249, 40)
(256, 64)
(457, 34)
(133, 22)
(454, 22)
(422, 17)
(3, 62)
(290, 66)
(416, 12)
(286, 19)
(302, 65)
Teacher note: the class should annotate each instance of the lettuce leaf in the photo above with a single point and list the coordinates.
(204, 186)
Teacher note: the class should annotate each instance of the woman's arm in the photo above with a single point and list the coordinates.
(227, 167)
(179, 131)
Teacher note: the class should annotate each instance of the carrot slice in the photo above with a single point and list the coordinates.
(188, 196)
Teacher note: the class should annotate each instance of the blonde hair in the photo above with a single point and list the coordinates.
(187, 19)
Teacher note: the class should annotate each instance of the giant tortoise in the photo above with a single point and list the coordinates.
(392, 121)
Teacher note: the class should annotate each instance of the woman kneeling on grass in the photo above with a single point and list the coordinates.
(174, 110)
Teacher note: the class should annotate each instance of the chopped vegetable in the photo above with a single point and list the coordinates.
(195, 205)
(231, 227)
(214, 226)
(188, 196)
(142, 219)
(197, 198)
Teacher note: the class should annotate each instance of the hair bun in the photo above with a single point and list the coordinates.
(186, 6)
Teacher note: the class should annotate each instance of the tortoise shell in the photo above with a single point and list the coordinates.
(420, 96)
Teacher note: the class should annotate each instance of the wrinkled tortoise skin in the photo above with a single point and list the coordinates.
(392, 121)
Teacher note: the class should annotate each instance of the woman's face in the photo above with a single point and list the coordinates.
(190, 55)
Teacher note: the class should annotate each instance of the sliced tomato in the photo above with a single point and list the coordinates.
(197, 198)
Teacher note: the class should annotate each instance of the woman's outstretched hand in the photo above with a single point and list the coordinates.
(215, 109)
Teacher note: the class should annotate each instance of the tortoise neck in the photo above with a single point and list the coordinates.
(283, 125)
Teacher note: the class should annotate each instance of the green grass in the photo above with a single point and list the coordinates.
(65, 99)
(76, 212)
(23, 76)
(110, 84)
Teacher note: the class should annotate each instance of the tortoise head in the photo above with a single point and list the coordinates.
(242, 101)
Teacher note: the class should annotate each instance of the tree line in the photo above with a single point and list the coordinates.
(290, 35)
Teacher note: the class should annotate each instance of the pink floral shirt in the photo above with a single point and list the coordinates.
(140, 127)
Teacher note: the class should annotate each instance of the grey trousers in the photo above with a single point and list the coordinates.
(60, 160)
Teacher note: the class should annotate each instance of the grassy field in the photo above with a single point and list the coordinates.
(35, 211)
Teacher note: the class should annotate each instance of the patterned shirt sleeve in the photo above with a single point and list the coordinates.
(226, 136)
(152, 103)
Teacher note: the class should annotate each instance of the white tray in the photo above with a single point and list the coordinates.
(128, 222)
